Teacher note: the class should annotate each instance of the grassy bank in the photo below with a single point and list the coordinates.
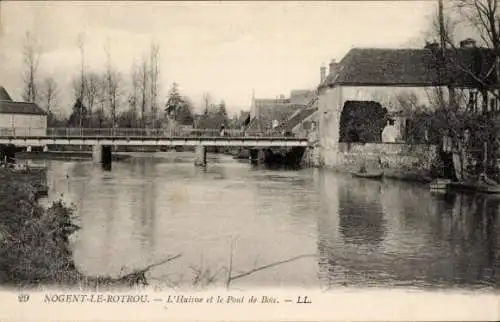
(35, 247)
(34, 242)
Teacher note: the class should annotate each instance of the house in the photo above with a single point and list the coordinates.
(21, 118)
(266, 111)
(371, 76)
(301, 121)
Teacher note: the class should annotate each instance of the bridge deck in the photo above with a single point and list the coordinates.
(155, 137)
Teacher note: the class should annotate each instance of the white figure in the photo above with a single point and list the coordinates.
(389, 134)
(275, 124)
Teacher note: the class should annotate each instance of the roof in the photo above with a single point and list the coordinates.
(4, 95)
(413, 67)
(298, 117)
(269, 113)
(10, 107)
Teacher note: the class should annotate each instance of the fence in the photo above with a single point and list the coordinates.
(132, 132)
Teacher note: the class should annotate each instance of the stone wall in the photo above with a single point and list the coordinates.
(395, 156)
(331, 102)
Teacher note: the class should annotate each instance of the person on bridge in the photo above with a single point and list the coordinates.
(222, 132)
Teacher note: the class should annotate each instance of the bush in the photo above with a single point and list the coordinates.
(34, 242)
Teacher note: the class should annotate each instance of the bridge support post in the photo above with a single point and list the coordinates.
(101, 154)
(254, 156)
(97, 154)
(201, 156)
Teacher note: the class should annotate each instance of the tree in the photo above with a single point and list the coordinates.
(113, 78)
(82, 83)
(154, 74)
(174, 101)
(207, 102)
(93, 83)
(222, 110)
(143, 87)
(178, 108)
(78, 117)
(133, 98)
(453, 115)
(100, 116)
(49, 93)
(31, 55)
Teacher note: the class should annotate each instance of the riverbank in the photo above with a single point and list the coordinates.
(410, 175)
(34, 241)
(35, 245)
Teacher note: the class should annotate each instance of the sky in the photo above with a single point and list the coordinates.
(224, 48)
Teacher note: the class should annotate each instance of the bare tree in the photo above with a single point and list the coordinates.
(462, 106)
(93, 83)
(31, 53)
(112, 86)
(49, 94)
(101, 99)
(206, 102)
(154, 73)
(133, 98)
(81, 46)
(143, 87)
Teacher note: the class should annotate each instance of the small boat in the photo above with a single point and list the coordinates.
(368, 175)
(440, 184)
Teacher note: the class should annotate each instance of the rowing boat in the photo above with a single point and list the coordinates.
(368, 175)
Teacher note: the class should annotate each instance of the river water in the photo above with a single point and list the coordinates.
(359, 232)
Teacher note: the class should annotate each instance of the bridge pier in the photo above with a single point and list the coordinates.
(257, 156)
(201, 156)
(101, 154)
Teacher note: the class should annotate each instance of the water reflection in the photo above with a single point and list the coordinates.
(396, 234)
(361, 220)
(364, 232)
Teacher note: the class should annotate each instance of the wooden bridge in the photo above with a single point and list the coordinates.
(148, 137)
(103, 139)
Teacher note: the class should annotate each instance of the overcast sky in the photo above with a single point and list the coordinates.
(224, 48)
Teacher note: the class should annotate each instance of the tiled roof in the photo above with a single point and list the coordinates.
(298, 117)
(279, 112)
(413, 67)
(4, 96)
(10, 107)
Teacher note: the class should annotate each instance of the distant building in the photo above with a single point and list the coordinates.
(367, 75)
(266, 111)
(21, 118)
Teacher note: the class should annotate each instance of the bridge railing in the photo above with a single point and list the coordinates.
(133, 133)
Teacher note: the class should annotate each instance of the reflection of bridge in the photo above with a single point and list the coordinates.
(102, 139)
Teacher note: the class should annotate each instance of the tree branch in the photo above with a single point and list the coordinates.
(268, 266)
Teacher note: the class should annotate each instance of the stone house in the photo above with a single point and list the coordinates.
(367, 75)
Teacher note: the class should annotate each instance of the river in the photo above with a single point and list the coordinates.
(362, 233)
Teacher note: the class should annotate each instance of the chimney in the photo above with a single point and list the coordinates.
(333, 66)
(322, 74)
(468, 43)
